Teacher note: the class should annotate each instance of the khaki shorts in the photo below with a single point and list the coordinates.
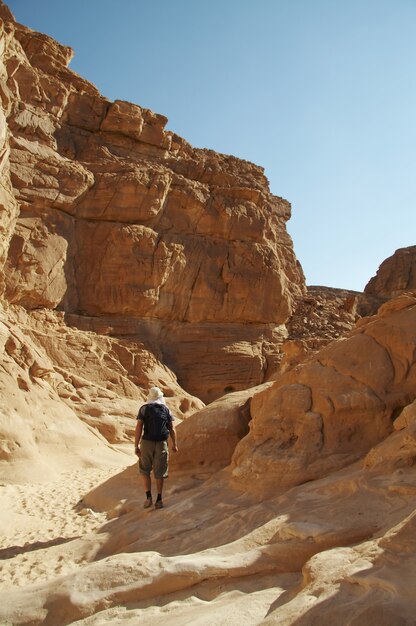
(154, 454)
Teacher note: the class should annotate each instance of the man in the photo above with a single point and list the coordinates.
(153, 427)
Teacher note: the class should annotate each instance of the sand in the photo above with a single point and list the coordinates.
(213, 554)
(39, 524)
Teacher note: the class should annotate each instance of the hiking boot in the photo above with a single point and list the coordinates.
(158, 504)
(147, 503)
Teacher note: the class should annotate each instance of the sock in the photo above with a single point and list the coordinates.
(148, 494)
(159, 497)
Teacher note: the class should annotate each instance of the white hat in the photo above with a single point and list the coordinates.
(154, 394)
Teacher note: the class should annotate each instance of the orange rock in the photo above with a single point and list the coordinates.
(396, 275)
(120, 218)
(328, 411)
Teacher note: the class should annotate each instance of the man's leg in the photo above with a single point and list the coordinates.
(161, 470)
(147, 483)
(159, 501)
(145, 467)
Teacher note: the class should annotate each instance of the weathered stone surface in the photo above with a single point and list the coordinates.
(208, 440)
(396, 275)
(327, 412)
(8, 205)
(120, 218)
(56, 381)
(141, 124)
(37, 261)
(317, 416)
(43, 179)
(406, 417)
(209, 359)
(321, 315)
(295, 557)
(128, 195)
(85, 110)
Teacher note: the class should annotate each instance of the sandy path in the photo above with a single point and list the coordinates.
(41, 526)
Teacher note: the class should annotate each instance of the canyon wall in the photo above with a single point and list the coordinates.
(317, 416)
(131, 232)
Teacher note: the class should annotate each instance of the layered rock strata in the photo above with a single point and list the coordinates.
(124, 225)
(68, 394)
(319, 415)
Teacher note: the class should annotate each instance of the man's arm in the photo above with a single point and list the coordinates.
(138, 436)
(172, 432)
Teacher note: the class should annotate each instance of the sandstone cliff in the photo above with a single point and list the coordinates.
(318, 416)
(134, 233)
(68, 394)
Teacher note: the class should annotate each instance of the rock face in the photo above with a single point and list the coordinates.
(339, 403)
(124, 225)
(68, 394)
(396, 275)
(321, 315)
(322, 414)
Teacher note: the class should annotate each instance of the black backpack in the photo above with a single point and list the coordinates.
(156, 418)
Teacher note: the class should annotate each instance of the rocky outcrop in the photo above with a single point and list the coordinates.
(321, 315)
(123, 224)
(329, 411)
(67, 394)
(209, 439)
(319, 415)
(8, 206)
(396, 275)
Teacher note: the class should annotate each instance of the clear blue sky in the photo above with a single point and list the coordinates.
(321, 93)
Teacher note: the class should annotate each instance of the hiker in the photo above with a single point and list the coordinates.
(153, 427)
